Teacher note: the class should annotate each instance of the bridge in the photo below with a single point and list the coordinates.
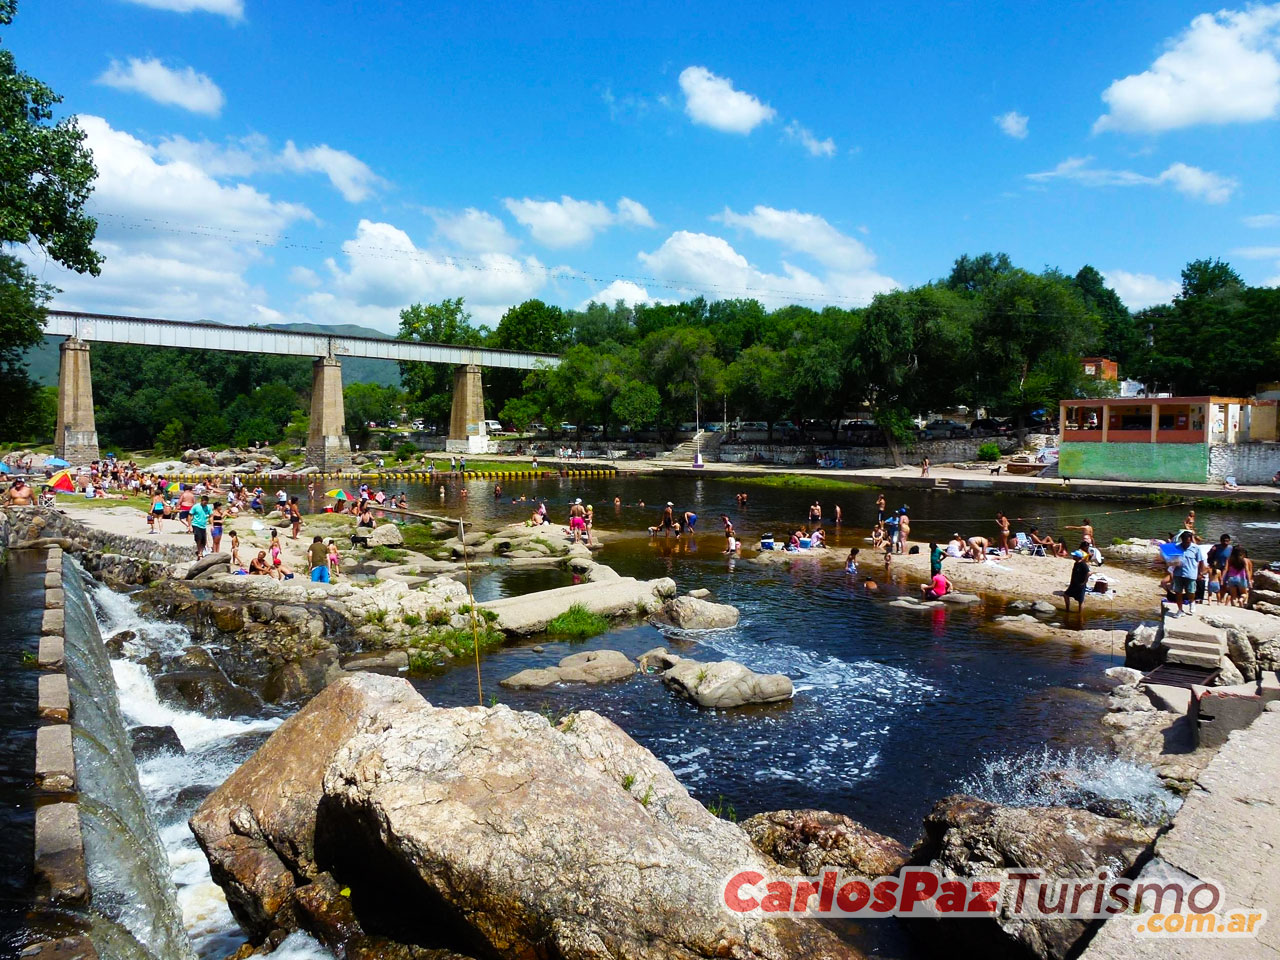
(328, 446)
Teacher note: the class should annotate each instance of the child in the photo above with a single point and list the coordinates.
(851, 563)
(235, 550)
(335, 560)
(1214, 586)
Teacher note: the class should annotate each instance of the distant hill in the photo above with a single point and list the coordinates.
(42, 361)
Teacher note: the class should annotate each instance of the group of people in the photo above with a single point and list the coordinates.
(1221, 574)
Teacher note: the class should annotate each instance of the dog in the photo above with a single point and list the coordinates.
(996, 469)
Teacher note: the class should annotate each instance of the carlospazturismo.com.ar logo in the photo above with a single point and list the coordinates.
(1167, 907)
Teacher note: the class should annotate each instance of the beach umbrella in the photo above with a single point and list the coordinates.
(55, 462)
(4, 468)
(337, 494)
(62, 481)
(174, 487)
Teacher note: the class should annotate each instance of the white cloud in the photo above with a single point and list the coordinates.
(1192, 181)
(177, 242)
(231, 9)
(1139, 290)
(386, 271)
(1262, 220)
(699, 263)
(173, 87)
(816, 147)
(713, 102)
(244, 156)
(568, 222)
(1257, 253)
(304, 277)
(629, 293)
(474, 230)
(804, 233)
(1222, 69)
(1013, 123)
(350, 175)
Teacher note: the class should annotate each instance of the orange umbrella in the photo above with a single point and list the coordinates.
(62, 481)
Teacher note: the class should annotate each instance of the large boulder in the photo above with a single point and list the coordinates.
(258, 828)
(386, 535)
(726, 683)
(810, 840)
(1143, 648)
(479, 830)
(208, 563)
(590, 666)
(691, 613)
(967, 837)
(571, 842)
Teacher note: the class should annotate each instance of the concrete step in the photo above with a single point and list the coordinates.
(1191, 628)
(1172, 699)
(1194, 659)
(1192, 646)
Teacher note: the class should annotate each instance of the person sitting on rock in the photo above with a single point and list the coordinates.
(937, 588)
(259, 565)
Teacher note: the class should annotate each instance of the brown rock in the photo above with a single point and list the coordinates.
(810, 840)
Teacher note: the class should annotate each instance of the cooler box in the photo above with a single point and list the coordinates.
(806, 542)
(766, 542)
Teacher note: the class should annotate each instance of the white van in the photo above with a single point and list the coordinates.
(491, 427)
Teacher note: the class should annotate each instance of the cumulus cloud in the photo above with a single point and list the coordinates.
(474, 230)
(1186, 179)
(231, 9)
(1139, 290)
(713, 102)
(802, 134)
(699, 263)
(182, 87)
(384, 271)
(1013, 123)
(568, 222)
(351, 176)
(304, 277)
(348, 174)
(1222, 69)
(629, 293)
(1260, 221)
(178, 242)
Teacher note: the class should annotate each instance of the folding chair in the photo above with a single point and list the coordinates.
(1023, 544)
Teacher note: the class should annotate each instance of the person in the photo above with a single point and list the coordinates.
(839, 515)
(155, 518)
(282, 501)
(851, 562)
(18, 494)
(1002, 534)
(1190, 565)
(590, 519)
(277, 558)
(815, 514)
(497, 490)
(1219, 553)
(731, 545)
(936, 553)
(1237, 578)
(577, 521)
(365, 518)
(891, 531)
(199, 524)
(186, 500)
(534, 464)
(1213, 588)
(904, 529)
(255, 504)
(924, 467)
(295, 518)
(1086, 532)
(690, 520)
(877, 536)
(1051, 547)
(1079, 584)
(318, 556)
(937, 587)
(235, 550)
(956, 547)
(258, 565)
(978, 549)
(215, 526)
(880, 508)
(818, 538)
(667, 521)
(335, 560)
(1190, 522)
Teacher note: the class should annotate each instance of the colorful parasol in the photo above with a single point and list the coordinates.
(337, 494)
(174, 487)
(62, 481)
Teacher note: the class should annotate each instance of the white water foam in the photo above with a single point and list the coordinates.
(1073, 778)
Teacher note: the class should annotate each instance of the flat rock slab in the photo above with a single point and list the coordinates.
(54, 598)
(60, 869)
(611, 598)
(911, 603)
(68, 948)
(55, 760)
(590, 666)
(53, 579)
(726, 683)
(960, 598)
(53, 697)
(52, 653)
(52, 623)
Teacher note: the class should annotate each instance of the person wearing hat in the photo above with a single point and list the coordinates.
(667, 522)
(577, 521)
(1079, 584)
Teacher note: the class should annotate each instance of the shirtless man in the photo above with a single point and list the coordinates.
(978, 549)
(904, 531)
(18, 494)
(667, 522)
(577, 521)
(1051, 547)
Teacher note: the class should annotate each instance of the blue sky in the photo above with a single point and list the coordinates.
(265, 161)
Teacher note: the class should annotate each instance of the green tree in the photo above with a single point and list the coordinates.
(364, 403)
(429, 386)
(172, 440)
(637, 404)
(520, 412)
(759, 384)
(46, 173)
(1118, 335)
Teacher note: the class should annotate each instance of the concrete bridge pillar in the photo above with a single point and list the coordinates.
(467, 433)
(76, 440)
(328, 446)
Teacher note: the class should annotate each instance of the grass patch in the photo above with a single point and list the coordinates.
(795, 481)
(723, 809)
(376, 616)
(438, 616)
(461, 643)
(628, 781)
(387, 554)
(412, 620)
(419, 538)
(578, 623)
(487, 616)
(486, 466)
(1207, 503)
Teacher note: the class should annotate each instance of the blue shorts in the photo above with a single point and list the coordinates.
(320, 574)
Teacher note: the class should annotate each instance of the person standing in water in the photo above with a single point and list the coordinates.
(880, 509)
(1079, 584)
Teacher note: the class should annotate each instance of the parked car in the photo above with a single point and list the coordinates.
(568, 428)
(492, 426)
(988, 427)
(944, 430)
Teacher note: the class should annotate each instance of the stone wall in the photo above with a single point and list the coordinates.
(1247, 462)
(938, 451)
(1160, 462)
(112, 557)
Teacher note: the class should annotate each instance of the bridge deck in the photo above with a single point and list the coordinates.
(144, 331)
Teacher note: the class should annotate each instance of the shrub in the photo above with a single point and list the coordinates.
(421, 661)
(988, 453)
(387, 554)
(578, 623)
(723, 809)
(376, 616)
(406, 451)
(412, 620)
(438, 616)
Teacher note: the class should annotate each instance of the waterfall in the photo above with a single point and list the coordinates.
(136, 915)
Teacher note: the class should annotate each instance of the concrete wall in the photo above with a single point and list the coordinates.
(1164, 462)
(938, 451)
(1247, 462)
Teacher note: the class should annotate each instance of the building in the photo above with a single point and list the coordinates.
(1170, 439)
(1100, 368)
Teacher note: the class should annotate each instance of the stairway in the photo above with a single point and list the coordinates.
(1193, 642)
(684, 452)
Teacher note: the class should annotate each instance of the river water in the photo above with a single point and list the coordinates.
(893, 709)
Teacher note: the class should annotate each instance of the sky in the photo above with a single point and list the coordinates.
(273, 161)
